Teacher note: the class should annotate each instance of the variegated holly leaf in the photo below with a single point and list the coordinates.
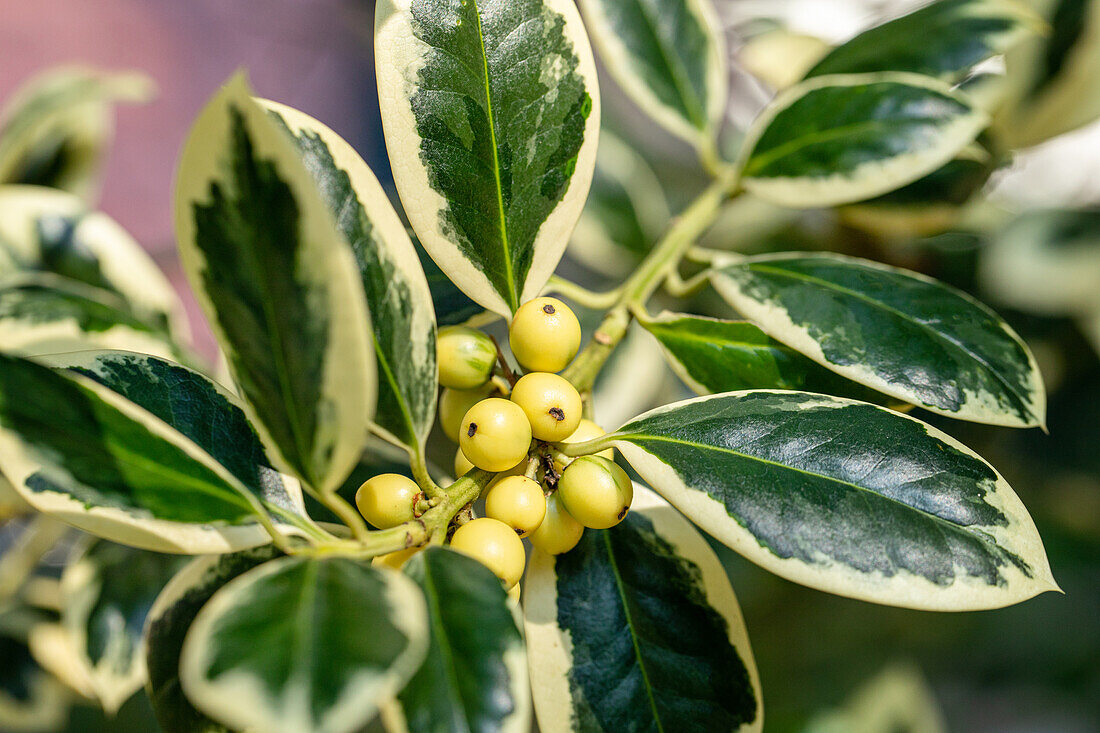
(55, 128)
(895, 331)
(843, 138)
(279, 283)
(42, 313)
(1046, 262)
(452, 306)
(30, 698)
(1056, 78)
(167, 623)
(475, 675)
(930, 204)
(625, 214)
(398, 296)
(304, 645)
(669, 56)
(943, 39)
(106, 591)
(137, 450)
(637, 628)
(52, 231)
(842, 496)
(713, 355)
(491, 112)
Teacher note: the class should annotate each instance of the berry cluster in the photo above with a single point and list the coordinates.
(507, 426)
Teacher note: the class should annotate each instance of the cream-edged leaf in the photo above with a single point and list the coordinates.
(43, 313)
(398, 297)
(848, 137)
(491, 112)
(475, 675)
(31, 700)
(714, 355)
(943, 39)
(1055, 79)
(56, 127)
(842, 496)
(106, 590)
(279, 283)
(625, 214)
(669, 56)
(88, 453)
(43, 229)
(1046, 262)
(637, 628)
(895, 331)
(302, 645)
(166, 626)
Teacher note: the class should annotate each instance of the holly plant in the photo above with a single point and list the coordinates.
(341, 574)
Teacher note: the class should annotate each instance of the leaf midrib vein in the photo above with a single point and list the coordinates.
(863, 489)
(512, 294)
(1020, 399)
(450, 668)
(630, 625)
(694, 107)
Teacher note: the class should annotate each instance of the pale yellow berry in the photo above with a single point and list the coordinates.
(494, 545)
(596, 491)
(396, 560)
(387, 500)
(551, 403)
(544, 335)
(518, 502)
(453, 406)
(587, 430)
(466, 357)
(495, 434)
(559, 531)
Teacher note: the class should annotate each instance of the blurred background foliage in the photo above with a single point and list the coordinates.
(1015, 221)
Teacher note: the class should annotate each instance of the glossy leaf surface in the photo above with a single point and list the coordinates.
(943, 39)
(843, 138)
(842, 496)
(896, 331)
(475, 675)
(669, 56)
(491, 114)
(637, 628)
(398, 297)
(278, 282)
(282, 648)
(86, 453)
(166, 627)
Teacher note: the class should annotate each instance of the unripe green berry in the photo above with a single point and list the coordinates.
(596, 491)
(466, 357)
(544, 335)
(495, 434)
(453, 406)
(559, 531)
(518, 502)
(387, 500)
(494, 545)
(551, 403)
(586, 431)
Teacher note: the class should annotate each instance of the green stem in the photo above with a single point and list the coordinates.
(583, 296)
(347, 514)
(431, 525)
(654, 270)
(421, 475)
